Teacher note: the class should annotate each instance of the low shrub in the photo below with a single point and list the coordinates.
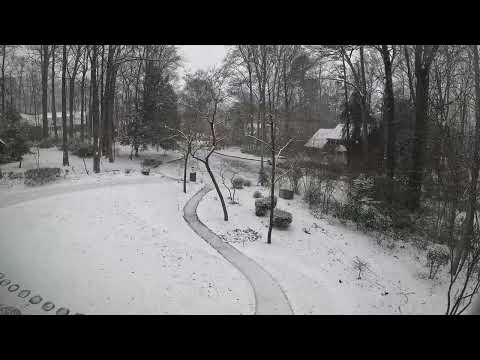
(237, 182)
(257, 194)
(41, 176)
(152, 163)
(262, 205)
(313, 195)
(12, 175)
(247, 183)
(437, 255)
(281, 218)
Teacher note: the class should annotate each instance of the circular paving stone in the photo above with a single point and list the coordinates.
(23, 294)
(13, 288)
(36, 299)
(9, 310)
(48, 306)
(63, 311)
(5, 282)
(2, 275)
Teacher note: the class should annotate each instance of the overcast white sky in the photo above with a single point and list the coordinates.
(196, 57)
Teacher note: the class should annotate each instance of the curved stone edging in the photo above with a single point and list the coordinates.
(270, 299)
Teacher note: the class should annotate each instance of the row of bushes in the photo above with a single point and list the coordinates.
(281, 218)
(41, 176)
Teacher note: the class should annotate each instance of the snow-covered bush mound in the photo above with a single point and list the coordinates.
(262, 205)
(257, 194)
(281, 218)
(241, 236)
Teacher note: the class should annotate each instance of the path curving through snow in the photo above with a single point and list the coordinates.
(270, 299)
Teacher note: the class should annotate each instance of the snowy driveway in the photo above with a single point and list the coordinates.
(123, 249)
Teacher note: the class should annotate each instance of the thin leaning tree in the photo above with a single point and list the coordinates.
(214, 95)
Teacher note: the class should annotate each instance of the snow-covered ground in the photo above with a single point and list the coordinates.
(314, 262)
(117, 250)
(127, 249)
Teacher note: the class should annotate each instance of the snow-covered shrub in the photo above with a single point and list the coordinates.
(437, 255)
(281, 218)
(247, 183)
(257, 194)
(313, 194)
(128, 171)
(41, 176)
(237, 182)
(153, 163)
(240, 236)
(13, 175)
(262, 205)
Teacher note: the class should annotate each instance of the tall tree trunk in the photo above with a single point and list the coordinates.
(423, 59)
(467, 236)
(44, 50)
(64, 107)
(364, 108)
(54, 111)
(90, 113)
(389, 112)
(4, 54)
(82, 106)
(95, 110)
(71, 94)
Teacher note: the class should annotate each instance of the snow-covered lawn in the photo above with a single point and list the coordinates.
(116, 250)
(314, 261)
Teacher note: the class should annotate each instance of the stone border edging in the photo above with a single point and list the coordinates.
(270, 299)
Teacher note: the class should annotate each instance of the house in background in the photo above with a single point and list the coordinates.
(329, 145)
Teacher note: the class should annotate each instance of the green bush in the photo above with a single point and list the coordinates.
(281, 218)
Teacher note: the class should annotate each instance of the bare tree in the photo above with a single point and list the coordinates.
(54, 111)
(44, 66)
(64, 108)
(214, 81)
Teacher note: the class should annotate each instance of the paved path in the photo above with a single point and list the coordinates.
(269, 296)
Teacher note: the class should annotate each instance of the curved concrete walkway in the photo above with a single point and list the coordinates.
(269, 296)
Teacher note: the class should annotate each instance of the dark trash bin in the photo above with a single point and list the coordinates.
(193, 176)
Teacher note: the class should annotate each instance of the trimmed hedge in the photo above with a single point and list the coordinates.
(281, 218)
(257, 194)
(263, 204)
(41, 176)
